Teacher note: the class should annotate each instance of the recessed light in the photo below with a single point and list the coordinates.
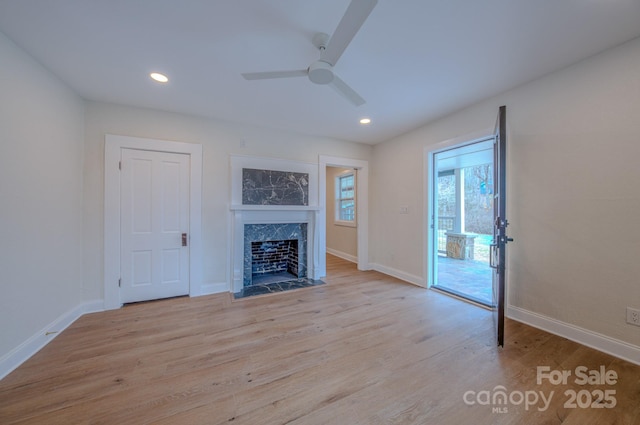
(365, 121)
(161, 78)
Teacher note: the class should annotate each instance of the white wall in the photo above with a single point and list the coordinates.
(219, 140)
(574, 201)
(41, 140)
(341, 240)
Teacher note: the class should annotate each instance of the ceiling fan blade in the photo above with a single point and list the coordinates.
(345, 91)
(274, 74)
(354, 17)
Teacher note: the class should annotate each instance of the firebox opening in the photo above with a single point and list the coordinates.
(274, 261)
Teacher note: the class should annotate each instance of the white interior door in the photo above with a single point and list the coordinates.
(154, 217)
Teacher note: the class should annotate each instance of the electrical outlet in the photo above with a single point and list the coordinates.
(633, 316)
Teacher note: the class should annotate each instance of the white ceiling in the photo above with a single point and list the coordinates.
(413, 60)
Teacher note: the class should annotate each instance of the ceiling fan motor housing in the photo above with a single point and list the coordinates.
(320, 72)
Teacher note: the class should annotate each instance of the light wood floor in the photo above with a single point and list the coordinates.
(362, 349)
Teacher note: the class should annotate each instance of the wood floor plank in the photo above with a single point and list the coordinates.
(364, 348)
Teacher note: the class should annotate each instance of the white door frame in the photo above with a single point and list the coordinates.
(362, 208)
(429, 200)
(113, 146)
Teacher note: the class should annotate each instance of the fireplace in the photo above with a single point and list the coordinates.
(274, 252)
(274, 205)
(274, 261)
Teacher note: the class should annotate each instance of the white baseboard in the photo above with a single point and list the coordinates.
(343, 255)
(24, 351)
(614, 347)
(399, 274)
(213, 288)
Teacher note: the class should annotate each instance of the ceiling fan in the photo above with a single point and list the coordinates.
(321, 71)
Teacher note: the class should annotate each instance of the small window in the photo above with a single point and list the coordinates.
(346, 199)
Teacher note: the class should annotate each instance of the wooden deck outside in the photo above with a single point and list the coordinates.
(362, 349)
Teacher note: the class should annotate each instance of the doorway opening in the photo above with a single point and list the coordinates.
(341, 213)
(357, 208)
(462, 212)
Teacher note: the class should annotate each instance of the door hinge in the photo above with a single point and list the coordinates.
(119, 165)
(120, 283)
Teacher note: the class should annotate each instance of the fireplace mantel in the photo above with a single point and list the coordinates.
(274, 208)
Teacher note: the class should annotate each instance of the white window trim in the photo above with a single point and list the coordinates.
(345, 223)
(338, 221)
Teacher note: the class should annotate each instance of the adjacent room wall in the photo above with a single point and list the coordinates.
(574, 147)
(219, 140)
(342, 241)
(41, 146)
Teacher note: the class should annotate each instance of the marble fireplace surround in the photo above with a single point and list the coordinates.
(279, 233)
(278, 215)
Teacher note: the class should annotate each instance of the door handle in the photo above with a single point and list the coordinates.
(492, 255)
(184, 239)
